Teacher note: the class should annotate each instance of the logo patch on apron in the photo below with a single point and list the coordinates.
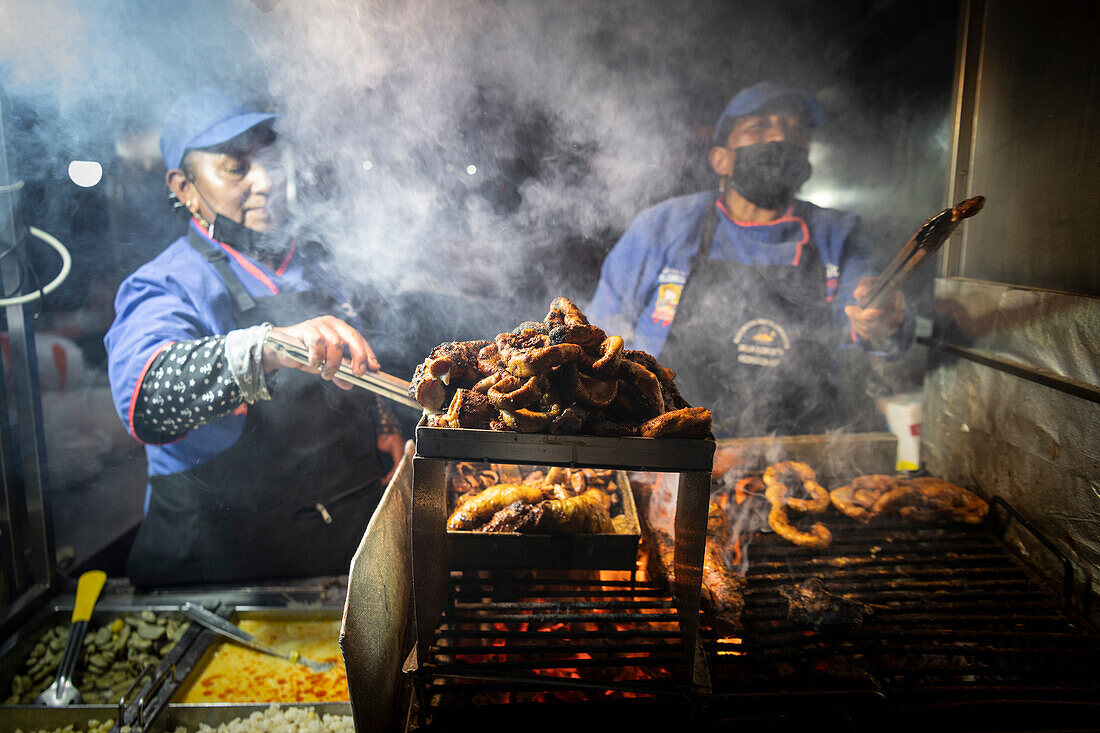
(761, 342)
(670, 286)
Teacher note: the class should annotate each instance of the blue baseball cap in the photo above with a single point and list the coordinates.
(753, 98)
(204, 117)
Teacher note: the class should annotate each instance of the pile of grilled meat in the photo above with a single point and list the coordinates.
(562, 375)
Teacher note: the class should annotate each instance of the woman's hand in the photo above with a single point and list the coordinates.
(393, 445)
(326, 338)
(873, 324)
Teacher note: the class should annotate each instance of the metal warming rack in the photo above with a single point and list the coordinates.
(431, 555)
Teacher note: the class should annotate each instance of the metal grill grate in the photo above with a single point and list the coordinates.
(959, 630)
(552, 641)
(961, 636)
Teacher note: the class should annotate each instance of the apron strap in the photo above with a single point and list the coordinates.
(217, 257)
(710, 226)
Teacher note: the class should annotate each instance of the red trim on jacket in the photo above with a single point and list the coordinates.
(252, 269)
(289, 257)
(788, 215)
(137, 388)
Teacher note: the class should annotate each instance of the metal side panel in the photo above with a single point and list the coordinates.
(375, 633)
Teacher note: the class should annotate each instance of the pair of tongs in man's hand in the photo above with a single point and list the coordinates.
(925, 243)
(382, 384)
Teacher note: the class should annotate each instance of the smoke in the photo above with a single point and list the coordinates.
(483, 153)
(466, 140)
(478, 151)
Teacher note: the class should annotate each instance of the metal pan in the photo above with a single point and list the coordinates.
(484, 550)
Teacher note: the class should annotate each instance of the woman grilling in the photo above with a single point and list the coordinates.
(256, 470)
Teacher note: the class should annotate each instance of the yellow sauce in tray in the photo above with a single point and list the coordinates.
(234, 673)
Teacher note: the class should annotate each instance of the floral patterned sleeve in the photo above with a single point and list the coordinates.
(386, 420)
(188, 385)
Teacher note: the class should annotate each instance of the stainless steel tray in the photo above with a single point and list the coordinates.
(16, 649)
(485, 550)
(190, 716)
(589, 451)
(36, 717)
(202, 653)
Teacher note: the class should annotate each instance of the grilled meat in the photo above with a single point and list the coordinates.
(776, 478)
(690, 422)
(722, 594)
(810, 603)
(564, 376)
(453, 361)
(468, 409)
(920, 499)
(563, 501)
(568, 514)
(565, 324)
(817, 538)
(516, 517)
(779, 494)
(480, 508)
(930, 498)
(857, 499)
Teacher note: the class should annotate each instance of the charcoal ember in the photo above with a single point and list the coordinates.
(810, 603)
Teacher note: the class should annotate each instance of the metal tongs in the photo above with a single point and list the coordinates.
(925, 243)
(216, 623)
(382, 384)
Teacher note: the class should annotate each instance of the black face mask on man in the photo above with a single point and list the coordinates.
(769, 174)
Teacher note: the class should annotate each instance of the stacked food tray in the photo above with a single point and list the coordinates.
(617, 550)
(169, 660)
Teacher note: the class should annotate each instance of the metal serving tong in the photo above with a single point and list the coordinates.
(382, 384)
(925, 243)
(216, 623)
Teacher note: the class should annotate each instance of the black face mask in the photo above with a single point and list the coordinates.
(250, 241)
(768, 174)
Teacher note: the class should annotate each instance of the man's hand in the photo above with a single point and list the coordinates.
(326, 338)
(874, 324)
(394, 445)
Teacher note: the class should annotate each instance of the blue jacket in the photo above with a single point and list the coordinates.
(179, 296)
(641, 279)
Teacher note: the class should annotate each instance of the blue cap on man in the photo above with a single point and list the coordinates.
(204, 117)
(752, 98)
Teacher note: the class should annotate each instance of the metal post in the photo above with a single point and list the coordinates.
(431, 562)
(25, 499)
(692, 499)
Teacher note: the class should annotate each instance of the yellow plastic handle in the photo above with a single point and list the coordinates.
(87, 593)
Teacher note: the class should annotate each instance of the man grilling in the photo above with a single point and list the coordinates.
(256, 470)
(748, 293)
